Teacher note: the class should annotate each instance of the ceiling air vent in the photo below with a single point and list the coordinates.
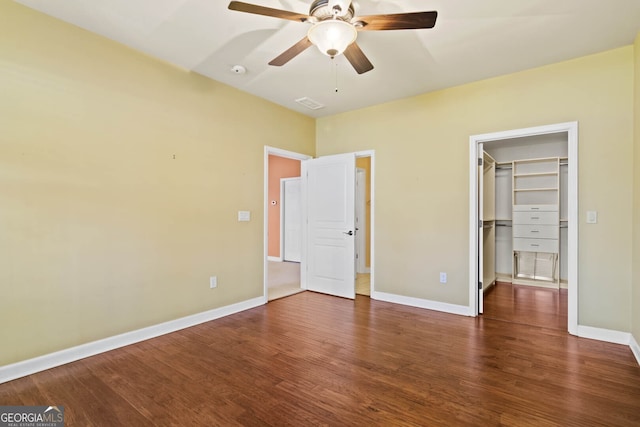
(309, 103)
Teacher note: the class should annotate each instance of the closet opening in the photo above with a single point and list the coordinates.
(523, 226)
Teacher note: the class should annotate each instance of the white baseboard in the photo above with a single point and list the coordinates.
(635, 348)
(274, 258)
(600, 334)
(462, 310)
(47, 361)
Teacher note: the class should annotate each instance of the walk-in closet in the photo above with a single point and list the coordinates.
(524, 211)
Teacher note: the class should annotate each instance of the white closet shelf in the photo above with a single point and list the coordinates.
(517, 175)
(536, 189)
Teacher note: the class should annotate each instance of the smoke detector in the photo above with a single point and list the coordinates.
(238, 69)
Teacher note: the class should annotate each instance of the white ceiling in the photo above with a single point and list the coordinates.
(472, 40)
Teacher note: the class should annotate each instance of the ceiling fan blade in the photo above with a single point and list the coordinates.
(358, 59)
(291, 53)
(398, 21)
(267, 11)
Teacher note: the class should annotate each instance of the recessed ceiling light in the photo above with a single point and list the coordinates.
(309, 103)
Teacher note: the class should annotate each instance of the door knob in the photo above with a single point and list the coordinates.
(350, 233)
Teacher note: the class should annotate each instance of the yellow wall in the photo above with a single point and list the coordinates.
(102, 231)
(636, 205)
(422, 175)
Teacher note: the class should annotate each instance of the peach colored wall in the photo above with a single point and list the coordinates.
(279, 167)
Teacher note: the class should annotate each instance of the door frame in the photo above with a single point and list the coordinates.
(571, 128)
(273, 151)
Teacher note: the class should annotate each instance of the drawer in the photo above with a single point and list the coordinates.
(544, 218)
(536, 231)
(535, 245)
(535, 208)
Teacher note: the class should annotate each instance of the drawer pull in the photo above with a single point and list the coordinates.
(534, 209)
(535, 217)
(535, 231)
(535, 245)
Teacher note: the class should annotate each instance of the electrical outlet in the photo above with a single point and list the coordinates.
(213, 282)
(443, 277)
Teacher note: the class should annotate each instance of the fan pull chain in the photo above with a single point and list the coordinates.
(336, 76)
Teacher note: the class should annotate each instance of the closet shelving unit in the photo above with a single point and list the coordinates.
(536, 221)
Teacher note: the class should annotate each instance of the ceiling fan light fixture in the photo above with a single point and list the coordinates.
(332, 36)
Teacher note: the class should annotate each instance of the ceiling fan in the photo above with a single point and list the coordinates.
(334, 28)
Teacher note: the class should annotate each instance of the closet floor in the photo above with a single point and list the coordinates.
(527, 305)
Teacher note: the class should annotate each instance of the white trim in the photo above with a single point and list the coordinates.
(607, 335)
(51, 360)
(265, 220)
(572, 232)
(635, 348)
(572, 139)
(274, 258)
(444, 307)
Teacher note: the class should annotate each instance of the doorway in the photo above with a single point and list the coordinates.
(282, 275)
(273, 262)
(501, 141)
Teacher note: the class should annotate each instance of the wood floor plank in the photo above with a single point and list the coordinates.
(312, 359)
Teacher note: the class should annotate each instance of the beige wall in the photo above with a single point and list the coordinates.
(422, 175)
(635, 304)
(103, 231)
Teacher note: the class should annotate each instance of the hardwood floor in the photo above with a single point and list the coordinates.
(312, 359)
(528, 305)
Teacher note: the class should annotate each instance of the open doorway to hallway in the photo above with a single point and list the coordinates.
(285, 275)
(283, 223)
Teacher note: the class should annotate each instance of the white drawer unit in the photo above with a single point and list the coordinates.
(535, 208)
(535, 245)
(534, 218)
(536, 231)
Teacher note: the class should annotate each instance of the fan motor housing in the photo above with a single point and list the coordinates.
(320, 10)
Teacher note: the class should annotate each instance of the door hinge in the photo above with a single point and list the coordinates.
(480, 161)
(479, 223)
(479, 286)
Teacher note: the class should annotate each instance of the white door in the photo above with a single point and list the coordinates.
(479, 229)
(291, 205)
(328, 188)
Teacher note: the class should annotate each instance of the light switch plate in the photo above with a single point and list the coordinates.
(592, 217)
(244, 216)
